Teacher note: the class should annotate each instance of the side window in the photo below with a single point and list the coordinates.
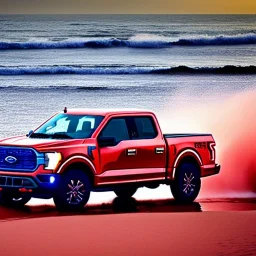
(145, 128)
(116, 128)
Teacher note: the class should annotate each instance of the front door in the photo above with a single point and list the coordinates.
(113, 159)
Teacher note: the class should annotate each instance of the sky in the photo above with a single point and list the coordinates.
(128, 6)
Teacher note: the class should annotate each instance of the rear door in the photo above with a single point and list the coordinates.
(150, 148)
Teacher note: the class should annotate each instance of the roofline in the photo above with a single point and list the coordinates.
(107, 112)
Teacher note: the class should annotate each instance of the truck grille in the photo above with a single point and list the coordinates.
(16, 182)
(17, 159)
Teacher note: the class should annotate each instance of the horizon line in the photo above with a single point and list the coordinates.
(128, 14)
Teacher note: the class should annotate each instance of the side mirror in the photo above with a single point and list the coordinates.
(106, 142)
(29, 133)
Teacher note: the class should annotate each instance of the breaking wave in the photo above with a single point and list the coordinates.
(123, 70)
(150, 41)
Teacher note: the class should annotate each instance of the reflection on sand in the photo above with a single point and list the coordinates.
(131, 205)
(118, 205)
(165, 205)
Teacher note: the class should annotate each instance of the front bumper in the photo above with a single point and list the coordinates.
(41, 186)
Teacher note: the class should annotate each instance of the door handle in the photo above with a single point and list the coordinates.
(131, 152)
(159, 150)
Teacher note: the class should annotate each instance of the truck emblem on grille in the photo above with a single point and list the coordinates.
(11, 159)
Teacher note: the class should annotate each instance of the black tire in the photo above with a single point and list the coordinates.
(73, 191)
(14, 200)
(187, 184)
(125, 192)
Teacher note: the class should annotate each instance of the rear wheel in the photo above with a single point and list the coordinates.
(187, 184)
(125, 192)
(73, 192)
(14, 200)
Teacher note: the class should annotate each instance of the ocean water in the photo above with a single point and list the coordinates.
(159, 62)
(170, 64)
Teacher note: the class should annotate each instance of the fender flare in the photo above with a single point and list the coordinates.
(80, 159)
(181, 155)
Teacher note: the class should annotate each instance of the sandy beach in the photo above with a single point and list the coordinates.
(138, 227)
(207, 233)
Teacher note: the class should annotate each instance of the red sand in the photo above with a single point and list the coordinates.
(208, 233)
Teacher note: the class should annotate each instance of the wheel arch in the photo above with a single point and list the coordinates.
(79, 163)
(187, 156)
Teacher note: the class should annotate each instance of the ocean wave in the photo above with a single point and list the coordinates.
(66, 87)
(123, 70)
(134, 42)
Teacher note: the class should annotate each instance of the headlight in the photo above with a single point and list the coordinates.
(51, 160)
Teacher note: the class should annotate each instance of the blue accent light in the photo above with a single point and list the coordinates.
(90, 149)
(52, 179)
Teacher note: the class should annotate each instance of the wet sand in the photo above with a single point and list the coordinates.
(46, 208)
(207, 233)
(134, 227)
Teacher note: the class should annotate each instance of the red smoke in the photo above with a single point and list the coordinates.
(233, 124)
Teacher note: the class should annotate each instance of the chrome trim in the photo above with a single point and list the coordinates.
(75, 194)
(131, 152)
(159, 150)
(11, 159)
(188, 184)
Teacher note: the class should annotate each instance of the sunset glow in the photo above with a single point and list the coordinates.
(129, 7)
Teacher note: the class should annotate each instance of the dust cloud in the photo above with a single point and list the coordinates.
(232, 121)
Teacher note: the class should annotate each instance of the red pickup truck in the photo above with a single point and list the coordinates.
(78, 151)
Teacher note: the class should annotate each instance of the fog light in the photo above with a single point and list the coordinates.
(52, 179)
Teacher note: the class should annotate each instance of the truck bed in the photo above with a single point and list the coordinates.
(176, 135)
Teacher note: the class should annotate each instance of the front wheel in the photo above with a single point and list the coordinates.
(73, 192)
(14, 200)
(187, 184)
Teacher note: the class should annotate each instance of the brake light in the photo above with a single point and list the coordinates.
(211, 147)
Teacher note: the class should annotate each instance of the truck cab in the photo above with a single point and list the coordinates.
(77, 151)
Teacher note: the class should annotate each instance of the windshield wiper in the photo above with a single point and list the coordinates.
(39, 135)
(52, 136)
(60, 136)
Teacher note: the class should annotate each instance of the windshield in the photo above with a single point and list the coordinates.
(66, 126)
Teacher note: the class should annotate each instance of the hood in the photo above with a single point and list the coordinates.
(23, 141)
